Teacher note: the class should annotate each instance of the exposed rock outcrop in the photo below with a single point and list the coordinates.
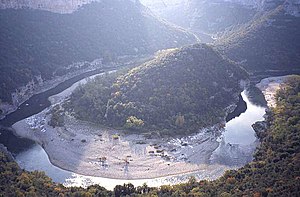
(59, 6)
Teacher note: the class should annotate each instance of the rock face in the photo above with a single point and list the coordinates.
(260, 128)
(59, 6)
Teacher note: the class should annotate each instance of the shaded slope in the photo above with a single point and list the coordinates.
(270, 42)
(37, 42)
(201, 16)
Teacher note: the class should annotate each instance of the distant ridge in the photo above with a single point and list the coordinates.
(271, 41)
(39, 45)
(58, 6)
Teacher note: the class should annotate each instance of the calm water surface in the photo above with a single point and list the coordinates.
(239, 130)
(237, 144)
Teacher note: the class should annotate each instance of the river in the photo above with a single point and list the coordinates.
(236, 145)
(33, 105)
(238, 142)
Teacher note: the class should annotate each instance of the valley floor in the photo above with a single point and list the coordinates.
(91, 150)
(88, 149)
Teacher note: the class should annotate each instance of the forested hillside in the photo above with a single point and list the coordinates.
(213, 17)
(181, 90)
(16, 182)
(270, 42)
(201, 16)
(275, 170)
(37, 42)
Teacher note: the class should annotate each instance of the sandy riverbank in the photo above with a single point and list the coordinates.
(269, 87)
(91, 150)
(78, 147)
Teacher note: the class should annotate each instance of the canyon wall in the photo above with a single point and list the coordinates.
(58, 6)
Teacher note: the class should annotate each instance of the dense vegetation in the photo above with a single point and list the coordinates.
(275, 170)
(17, 182)
(271, 41)
(181, 90)
(37, 42)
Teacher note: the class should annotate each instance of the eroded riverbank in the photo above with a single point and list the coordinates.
(269, 86)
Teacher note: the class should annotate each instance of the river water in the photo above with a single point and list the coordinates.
(237, 130)
(237, 144)
(34, 105)
(238, 141)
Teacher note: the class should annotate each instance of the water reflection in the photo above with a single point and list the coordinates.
(236, 147)
(37, 159)
(238, 141)
(239, 130)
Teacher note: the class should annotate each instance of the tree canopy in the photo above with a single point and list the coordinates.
(181, 90)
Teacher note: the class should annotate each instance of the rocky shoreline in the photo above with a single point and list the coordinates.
(38, 85)
(269, 87)
(22, 94)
